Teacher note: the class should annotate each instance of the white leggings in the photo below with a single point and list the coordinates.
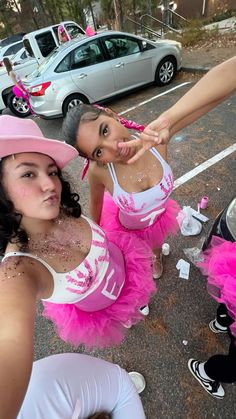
(74, 386)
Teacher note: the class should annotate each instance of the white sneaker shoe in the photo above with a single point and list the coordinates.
(127, 325)
(144, 310)
(216, 327)
(214, 388)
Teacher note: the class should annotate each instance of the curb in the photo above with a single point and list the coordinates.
(195, 69)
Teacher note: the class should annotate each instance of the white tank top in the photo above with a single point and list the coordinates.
(141, 209)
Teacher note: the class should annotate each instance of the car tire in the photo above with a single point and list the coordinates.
(72, 101)
(166, 71)
(18, 106)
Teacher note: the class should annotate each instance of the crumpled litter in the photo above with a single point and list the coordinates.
(194, 254)
(189, 226)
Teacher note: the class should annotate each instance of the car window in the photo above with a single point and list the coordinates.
(86, 55)
(73, 30)
(20, 55)
(46, 43)
(13, 49)
(23, 55)
(121, 46)
(64, 65)
(28, 48)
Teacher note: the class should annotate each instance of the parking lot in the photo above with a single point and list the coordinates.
(177, 327)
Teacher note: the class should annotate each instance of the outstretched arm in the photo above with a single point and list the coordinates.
(17, 307)
(212, 89)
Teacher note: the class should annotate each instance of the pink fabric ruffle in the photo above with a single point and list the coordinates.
(18, 93)
(154, 235)
(220, 267)
(105, 327)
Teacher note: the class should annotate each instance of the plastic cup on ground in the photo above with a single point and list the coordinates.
(138, 380)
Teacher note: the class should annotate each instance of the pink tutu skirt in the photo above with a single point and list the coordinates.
(220, 267)
(18, 93)
(154, 235)
(104, 328)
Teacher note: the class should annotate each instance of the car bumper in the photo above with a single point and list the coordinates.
(46, 110)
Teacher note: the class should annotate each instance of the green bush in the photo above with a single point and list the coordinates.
(192, 33)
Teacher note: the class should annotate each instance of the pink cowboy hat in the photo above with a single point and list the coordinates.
(24, 136)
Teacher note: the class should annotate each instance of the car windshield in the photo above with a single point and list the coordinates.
(45, 64)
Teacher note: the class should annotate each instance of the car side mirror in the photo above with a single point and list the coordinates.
(144, 45)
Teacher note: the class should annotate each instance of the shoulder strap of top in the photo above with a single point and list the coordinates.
(112, 172)
(89, 221)
(158, 155)
(11, 254)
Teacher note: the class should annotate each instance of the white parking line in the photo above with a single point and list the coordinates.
(213, 160)
(154, 97)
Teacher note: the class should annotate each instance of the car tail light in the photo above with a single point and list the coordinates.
(39, 89)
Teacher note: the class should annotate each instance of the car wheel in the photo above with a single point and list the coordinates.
(72, 101)
(165, 71)
(18, 106)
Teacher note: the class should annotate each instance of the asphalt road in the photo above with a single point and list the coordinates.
(177, 327)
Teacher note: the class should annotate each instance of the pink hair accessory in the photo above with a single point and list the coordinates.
(204, 202)
(85, 168)
(131, 124)
(127, 123)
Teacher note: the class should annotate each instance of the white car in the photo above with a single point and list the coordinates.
(96, 68)
(10, 50)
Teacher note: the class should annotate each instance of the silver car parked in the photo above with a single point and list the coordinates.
(96, 68)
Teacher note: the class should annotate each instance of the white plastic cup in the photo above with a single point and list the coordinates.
(138, 380)
(165, 249)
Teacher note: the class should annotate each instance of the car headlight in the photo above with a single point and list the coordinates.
(231, 218)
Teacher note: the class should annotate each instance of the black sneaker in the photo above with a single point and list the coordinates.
(214, 388)
(216, 327)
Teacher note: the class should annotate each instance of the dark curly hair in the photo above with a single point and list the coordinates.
(10, 230)
(77, 115)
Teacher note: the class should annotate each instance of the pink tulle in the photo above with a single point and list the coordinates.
(18, 93)
(25, 95)
(105, 327)
(154, 235)
(220, 267)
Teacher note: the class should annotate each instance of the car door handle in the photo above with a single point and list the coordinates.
(119, 65)
(82, 76)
